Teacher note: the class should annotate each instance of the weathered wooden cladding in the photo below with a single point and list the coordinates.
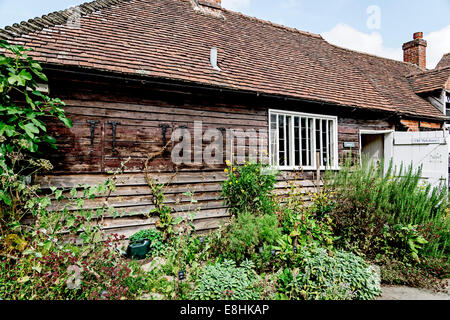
(85, 156)
(133, 198)
(138, 135)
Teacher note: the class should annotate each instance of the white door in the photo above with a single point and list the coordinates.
(426, 149)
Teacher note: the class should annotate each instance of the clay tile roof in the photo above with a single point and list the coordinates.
(169, 39)
(445, 61)
(430, 80)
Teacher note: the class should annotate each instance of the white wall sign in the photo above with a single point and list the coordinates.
(349, 144)
(418, 140)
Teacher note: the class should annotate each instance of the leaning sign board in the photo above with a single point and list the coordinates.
(401, 139)
(428, 150)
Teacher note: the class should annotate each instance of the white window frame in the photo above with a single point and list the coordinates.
(334, 165)
(446, 100)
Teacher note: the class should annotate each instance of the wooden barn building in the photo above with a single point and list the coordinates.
(132, 72)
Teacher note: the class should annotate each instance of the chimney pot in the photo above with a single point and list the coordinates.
(418, 35)
(415, 51)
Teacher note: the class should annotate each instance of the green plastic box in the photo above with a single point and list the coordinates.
(138, 250)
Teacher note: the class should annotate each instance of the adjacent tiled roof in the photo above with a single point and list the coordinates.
(445, 61)
(430, 80)
(169, 39)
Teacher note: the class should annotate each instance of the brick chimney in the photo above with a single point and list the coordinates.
(216, 4)
(416, 51)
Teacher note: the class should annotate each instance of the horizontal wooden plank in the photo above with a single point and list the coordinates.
(129, 201)
(135, 220)
(175, 118)
(154, 108)
(73, 180)
(194, 188)
(138, 179)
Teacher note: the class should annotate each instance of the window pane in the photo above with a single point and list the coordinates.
(318, 141)
(281, 140)
(297, 142)
(289, 135)
(273, 138)
(324, 143)
(331, 142)
(310, 135)
(304, 140)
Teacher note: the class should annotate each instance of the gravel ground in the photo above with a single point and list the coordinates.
(406, 293)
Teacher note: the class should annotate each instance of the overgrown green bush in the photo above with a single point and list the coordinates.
(248, 188)
(241, 238)
(37, 262)
(329, 275)
(305, 228)
(390, 217)
(368, 198)
(225, 281)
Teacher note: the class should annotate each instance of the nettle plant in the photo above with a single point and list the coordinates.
(24, 112)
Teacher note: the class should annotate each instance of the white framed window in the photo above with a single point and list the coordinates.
(296, 138)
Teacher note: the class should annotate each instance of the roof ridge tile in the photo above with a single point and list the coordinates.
(54, 18)
(273, 24)
(376, 56)
(426, 72)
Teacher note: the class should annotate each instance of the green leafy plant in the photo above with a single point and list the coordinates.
(241, 237)
(248, 188)
(305, 228)
(166, 221)
(24, 112)
(307, 223)
(225, 281)
(285, 251)
(405, 238)
(329, 275)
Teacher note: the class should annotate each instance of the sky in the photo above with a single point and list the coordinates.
(376, 27)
